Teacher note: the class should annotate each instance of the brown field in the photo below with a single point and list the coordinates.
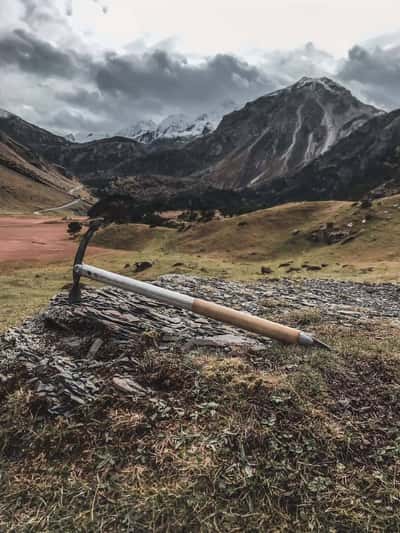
(39, 240)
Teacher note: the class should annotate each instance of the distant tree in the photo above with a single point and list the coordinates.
(74, 228)
(206, 215)
(153, 219)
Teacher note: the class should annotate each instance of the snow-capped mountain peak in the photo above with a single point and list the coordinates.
(323, 82)
(139, 128)
(175, 126)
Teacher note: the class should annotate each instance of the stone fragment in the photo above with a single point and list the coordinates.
(50, 350)
(128, 385)
(266, 270)
(95, 347)
(226, 341)
(142, 265)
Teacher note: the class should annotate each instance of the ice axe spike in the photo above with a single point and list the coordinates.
(218, 312)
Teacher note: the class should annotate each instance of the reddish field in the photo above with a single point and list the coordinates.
(38, 239)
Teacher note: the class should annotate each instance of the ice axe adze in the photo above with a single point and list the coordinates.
(218, 312)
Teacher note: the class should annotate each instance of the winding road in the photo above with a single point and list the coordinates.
(64, 206)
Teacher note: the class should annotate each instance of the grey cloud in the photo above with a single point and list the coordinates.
(35, 56)
(65, 120)
(38, 14)
(174, 80)
(68, 8)
(290, 65)
(76, 90)
(376, 71)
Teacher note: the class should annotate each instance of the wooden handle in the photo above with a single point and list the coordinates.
(248, 322)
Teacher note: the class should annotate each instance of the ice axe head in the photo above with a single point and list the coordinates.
(75, 292)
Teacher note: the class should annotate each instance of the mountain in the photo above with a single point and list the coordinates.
(142, 131)
(29, 135)
(274, 136)
(264, 145)
(280, 133)
(178, 126)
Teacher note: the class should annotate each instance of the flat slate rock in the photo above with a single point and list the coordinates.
(69, 353)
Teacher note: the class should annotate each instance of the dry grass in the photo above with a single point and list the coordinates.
(240, 246)
(298, 440)
(21, 194)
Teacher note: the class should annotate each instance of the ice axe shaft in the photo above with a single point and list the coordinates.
(201, 307)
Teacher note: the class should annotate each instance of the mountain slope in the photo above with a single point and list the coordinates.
(285, 237)
(274, 136)
(28, 134)
(28, 182)
(352, 168)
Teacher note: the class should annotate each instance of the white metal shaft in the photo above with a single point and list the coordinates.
(134, 285)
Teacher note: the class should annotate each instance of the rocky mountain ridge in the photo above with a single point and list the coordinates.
(360, 163)
(179, 126)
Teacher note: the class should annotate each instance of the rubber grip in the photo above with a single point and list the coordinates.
(247, 322)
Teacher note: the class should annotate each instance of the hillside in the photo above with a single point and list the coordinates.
(29, 183)
(356, 165)
(120, 412)
(290, 239)
(280, 133)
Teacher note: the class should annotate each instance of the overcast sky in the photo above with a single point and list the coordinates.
(100, 65)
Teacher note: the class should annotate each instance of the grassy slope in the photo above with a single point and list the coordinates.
(238, 247)
(21, 194)
(28, 186)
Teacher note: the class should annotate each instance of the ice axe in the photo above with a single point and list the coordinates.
(218, 312)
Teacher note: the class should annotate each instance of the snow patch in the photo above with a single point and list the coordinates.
(176, 126)
(5, 114)
(297, 128)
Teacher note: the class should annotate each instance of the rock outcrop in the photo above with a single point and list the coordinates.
(70, 353)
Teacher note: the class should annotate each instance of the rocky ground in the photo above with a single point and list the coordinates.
(69, 353)
(120, 414)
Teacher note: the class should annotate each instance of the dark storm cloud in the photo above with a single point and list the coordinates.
(70, 89)
(35, 56)
(67, 120)
(172, 79)
(377, 71)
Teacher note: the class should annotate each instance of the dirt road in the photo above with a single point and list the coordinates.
(38, 239)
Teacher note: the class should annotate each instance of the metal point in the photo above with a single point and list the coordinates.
(322, 344)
